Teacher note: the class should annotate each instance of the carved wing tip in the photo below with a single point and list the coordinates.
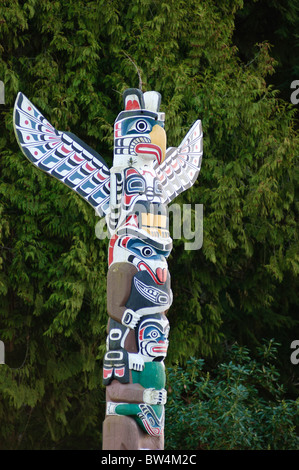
(61, 155)
(15, 117)
(181, 167)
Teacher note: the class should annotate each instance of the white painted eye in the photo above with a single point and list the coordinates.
(147, 251)
(139, 126)
(154, 334)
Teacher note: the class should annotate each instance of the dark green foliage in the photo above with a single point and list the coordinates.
(53, 314)
(73, 59)
(240, 405)
(277, 23)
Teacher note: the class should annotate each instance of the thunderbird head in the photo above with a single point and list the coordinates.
(139, 135)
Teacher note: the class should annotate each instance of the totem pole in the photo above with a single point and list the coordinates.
(133, 196)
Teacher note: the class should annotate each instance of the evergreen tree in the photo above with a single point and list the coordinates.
(278, 23)
(73, 59)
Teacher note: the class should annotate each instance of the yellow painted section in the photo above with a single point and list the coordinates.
(158, 137)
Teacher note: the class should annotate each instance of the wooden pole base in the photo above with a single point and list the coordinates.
(123, 433)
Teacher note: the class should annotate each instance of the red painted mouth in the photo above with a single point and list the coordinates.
(161, 274)
(149, 149)
(160, 349)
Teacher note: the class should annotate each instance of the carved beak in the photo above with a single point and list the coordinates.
(158, 137)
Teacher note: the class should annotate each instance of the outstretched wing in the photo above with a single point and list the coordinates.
(181, 165)
(62, 155)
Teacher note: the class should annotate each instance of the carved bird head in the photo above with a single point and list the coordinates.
(139, 134)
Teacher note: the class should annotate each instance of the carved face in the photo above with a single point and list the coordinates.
(142, 183)
(139, 212)
(152, 338)
(139, 135)
(143, 255)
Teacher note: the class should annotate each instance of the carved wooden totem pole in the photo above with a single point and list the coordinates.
(133, 196)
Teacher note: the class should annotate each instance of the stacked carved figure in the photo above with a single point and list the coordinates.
(133, 196)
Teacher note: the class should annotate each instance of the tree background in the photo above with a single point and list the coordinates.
(229, 63)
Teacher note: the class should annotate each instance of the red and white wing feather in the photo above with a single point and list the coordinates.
(181, 166)
(62, 155)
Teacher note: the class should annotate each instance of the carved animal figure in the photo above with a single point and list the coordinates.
(133, 196)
